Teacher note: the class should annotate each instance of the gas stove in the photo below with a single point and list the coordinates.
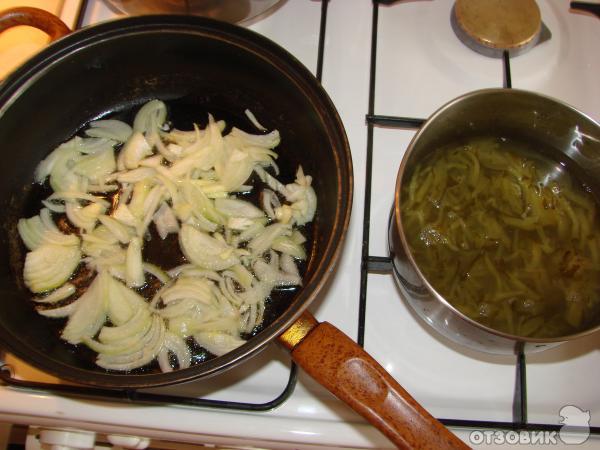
(387, 66)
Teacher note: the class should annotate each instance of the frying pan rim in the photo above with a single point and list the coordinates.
(285, 64)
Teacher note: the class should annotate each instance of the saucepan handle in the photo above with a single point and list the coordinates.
(34, 17)
(346, 370)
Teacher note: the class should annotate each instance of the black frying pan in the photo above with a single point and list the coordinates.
(196, 66)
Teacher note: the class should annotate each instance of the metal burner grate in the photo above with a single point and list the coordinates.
(383, 264)
(370, 264)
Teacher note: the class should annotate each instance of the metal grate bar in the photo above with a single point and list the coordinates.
(506, 65)
(393, 121)
(593, 8)
(379, 264)
(520, 395)
(322, 31)
(81, 14)
(136, 396)
(364, 267)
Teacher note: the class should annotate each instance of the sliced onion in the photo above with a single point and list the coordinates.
(135, 175)
(182, 308)
(157, 272)
(35, 232)
(49, 266)
(202, 223)
(188, 326)
(267, 197)
(242, 275)
(303, 198)
(120, 231)
(141, 189)
(189, 270)
(90, 314)
(197, 289)
(202, 206)
(270, 274)
(270, 140)
(153, 161)
(239, 223)
(169, 178)
(218, 343)
(287, 246)
(119, 309)
(123, 214)
(100, 235)
(134, 150)
(254, 121)
(139, 323)
(150, 346)
(66, 290)
(165, 221)
(134, 341)
(263, 241)
(150, 206)
(150, 117)
(233, 207)
(205, 251)
(163, 360)
(93, 145)
(179, 348)
(59, 155)
(59, 312)
(110, 129)
(74, 195)
(257, 293)
(84, 217)
(54, 207)
(134, 269)
(270, 180)
(235, 170)
(251, 232)
(284, 214)
(196, 160)
(135, 300)
(288, 265)
(96, 166)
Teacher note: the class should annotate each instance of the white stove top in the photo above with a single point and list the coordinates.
(420, 65)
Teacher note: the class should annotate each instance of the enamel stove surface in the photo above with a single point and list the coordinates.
(419, 65)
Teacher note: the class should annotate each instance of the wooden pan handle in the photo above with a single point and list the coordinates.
(345, 369)
(34, 17)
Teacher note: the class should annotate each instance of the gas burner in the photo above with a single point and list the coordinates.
(232, 11)
(491, 27)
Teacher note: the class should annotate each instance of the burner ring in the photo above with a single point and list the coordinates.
(491, 27)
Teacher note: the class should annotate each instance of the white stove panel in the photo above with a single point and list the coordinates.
(421, 64)
(567, 66)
